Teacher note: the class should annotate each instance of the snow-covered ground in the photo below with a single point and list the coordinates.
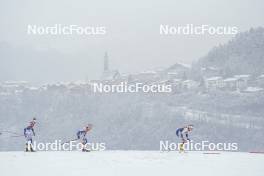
(126, 163)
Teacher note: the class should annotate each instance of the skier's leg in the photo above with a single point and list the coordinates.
(28, 138)
(31, 145)
(27, 145)
(84, 142)
(182, 145)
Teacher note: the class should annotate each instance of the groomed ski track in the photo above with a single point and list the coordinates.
(130, 163)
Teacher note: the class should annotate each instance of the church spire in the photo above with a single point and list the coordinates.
(106, 64)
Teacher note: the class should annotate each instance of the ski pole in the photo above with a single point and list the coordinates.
(18, 136)
(11, 132)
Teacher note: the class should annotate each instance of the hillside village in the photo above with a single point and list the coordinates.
(178, 76)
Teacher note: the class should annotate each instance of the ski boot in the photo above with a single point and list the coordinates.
(85, 150)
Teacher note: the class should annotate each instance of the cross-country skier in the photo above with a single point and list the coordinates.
(81, 135)
(183, 133)
(29, 133)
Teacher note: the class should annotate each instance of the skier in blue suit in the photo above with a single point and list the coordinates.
(183, 133)
(81, 135)
(29, 133)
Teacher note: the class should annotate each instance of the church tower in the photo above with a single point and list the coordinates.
(106, 63)
(109, 74)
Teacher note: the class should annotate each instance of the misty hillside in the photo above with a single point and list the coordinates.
(244, 54)
(132, 121)
(137, 120)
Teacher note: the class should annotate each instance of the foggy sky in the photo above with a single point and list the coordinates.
(132, 41)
